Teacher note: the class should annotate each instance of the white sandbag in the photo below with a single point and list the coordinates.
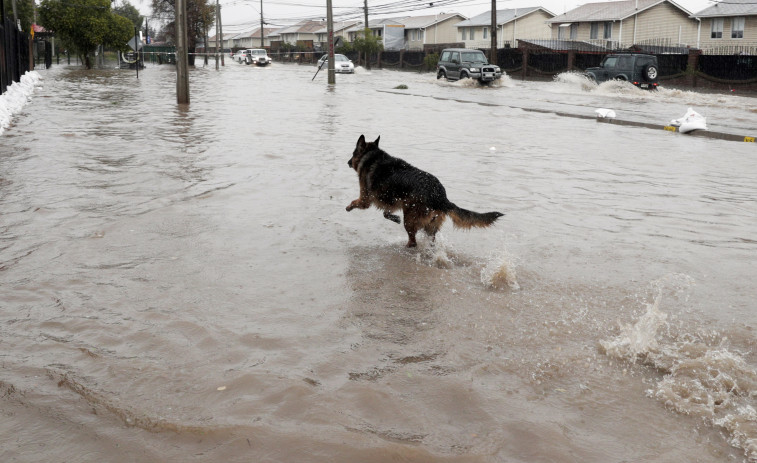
(692, 120)
(602, 112)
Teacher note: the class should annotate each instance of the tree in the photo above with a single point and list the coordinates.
(84, 25)
(24, 12)
(368, 44)
(130, 12)
(200, 16)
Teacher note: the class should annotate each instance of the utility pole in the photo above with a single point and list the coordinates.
(182, 75)
(330, 29)
(220, 32)
(366, 29)
(262, 31)
(219, 39)
(493, 52)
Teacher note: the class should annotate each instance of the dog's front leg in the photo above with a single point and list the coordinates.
(363, 202)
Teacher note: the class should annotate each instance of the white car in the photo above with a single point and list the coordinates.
(241, 55)
(259, 57)
(342, 64)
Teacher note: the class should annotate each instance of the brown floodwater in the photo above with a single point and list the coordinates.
(184, 284)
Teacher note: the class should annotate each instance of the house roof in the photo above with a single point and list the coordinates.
(422, 22)
(339, 26)
(729, 8)
(610, 11)
(503, 16)
(302, 27)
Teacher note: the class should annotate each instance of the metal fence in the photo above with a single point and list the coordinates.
(14, 54)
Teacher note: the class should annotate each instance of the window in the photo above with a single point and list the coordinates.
(737, 28)
(562, 31)
(608, 30)
(486, 32)
(717, 28)
(446, 56)
(594, 31)
(573, 31)
(463, 31)
(472, 34)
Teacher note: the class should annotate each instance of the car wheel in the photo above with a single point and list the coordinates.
(650, 72)
(464, 75)
(441, 75)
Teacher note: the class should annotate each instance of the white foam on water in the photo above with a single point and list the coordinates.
(16, 97)
(702, 376)
(575, 80)
(436, 253)
(500, 271)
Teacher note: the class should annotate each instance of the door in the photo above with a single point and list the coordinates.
(454, 66)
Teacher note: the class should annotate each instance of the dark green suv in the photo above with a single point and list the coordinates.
(637, 68)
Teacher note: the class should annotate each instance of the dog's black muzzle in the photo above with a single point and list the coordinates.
(349, 163)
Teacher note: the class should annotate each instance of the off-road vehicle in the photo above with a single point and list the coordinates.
(639, 69)
(462, 63)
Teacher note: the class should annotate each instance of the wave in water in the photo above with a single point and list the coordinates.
(701, 376)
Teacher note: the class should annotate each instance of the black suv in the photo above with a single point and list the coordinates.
(461, 63)
(639, 69)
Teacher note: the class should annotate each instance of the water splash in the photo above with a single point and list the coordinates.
(701, 375)
(499, 271)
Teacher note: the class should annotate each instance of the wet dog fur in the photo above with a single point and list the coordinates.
(392, 184)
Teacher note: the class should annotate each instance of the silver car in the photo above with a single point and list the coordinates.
(342, 64)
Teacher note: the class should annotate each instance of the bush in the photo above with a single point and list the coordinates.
(430, 61)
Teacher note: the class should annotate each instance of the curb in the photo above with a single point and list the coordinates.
(670, 128)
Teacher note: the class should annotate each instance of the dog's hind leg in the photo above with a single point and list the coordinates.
(433, 225)
(411, 228)
(392, 217)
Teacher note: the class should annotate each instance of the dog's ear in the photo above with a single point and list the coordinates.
(361, 142)
(377, 140)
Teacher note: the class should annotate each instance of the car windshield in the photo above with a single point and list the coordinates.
(258, 52)
(474, 57)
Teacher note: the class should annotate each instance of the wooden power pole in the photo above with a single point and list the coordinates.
(262, 31)
(493, 53)
(182, 64)
(330, 29)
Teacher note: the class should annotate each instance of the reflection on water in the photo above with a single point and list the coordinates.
(184, 283)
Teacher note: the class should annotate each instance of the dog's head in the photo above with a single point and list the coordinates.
(362, 148)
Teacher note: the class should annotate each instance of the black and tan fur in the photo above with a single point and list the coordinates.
(392, 184)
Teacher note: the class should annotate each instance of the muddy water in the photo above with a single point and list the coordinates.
(186, 285)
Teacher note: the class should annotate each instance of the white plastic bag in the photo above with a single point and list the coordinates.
(692, 120)
(602, 112)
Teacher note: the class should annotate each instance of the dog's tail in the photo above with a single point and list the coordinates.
(463, 218)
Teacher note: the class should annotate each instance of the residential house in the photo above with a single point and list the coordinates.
(251, 39)
(340, 30)
(302, 33)
(626, 23)
(731, 23)
(526, 23)
(431, 29)
(226, 41)
(391, 31)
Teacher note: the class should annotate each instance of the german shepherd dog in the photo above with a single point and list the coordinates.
(392, 184)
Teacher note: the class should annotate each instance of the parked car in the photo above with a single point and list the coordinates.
(639, 69)
(463, 63)
(342, 64)
(259, 57)
(241, 56)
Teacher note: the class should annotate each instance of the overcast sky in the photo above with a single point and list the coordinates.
(238, 15)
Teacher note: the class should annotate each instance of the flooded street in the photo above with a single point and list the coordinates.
(185, 284)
